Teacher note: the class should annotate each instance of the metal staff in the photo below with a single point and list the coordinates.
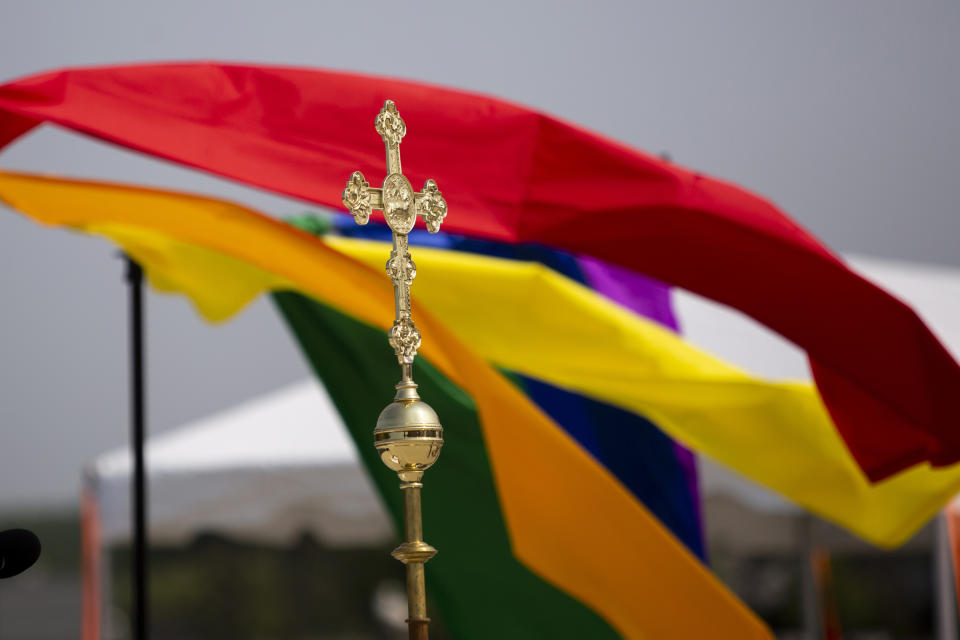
(408, 434)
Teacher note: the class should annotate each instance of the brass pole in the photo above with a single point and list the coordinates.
(416, 588)
(408, 434)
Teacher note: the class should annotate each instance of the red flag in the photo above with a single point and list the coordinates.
(517, 175)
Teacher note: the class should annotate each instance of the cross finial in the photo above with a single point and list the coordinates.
(400, 206)
(390, 125)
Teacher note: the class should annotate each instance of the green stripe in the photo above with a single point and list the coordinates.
(482, 590)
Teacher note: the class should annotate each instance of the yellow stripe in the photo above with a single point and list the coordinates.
(630, 555)
(218, 285)
(530, 319)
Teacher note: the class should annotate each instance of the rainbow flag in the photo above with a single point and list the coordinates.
(658, 471)
(531, 526)
(779, 434)
(222, 256)
(478, 579)
(517, 176)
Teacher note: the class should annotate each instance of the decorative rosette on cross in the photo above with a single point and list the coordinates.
(357, 198)
(404, 337)
(390, 125)
(431, 206)
(402, 269)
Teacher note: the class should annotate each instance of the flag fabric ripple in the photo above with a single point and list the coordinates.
(661, 472)
(777, 433)
(536, 538)
(517, 175)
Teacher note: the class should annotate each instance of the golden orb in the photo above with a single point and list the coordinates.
(408, 435)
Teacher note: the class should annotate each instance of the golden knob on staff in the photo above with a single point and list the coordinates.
(408, 434)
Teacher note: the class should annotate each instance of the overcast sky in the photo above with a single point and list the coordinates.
(845, 114)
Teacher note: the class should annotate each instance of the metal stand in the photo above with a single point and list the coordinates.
(139, 619)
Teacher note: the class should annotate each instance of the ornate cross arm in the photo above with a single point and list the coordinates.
(361, 200)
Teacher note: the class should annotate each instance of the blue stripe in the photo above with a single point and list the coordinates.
(632, 448)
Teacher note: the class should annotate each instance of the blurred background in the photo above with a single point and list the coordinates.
(845, 115)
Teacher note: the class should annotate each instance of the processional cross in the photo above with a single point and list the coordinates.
(408, 434)
(400, 206)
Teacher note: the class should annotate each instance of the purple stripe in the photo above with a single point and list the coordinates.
(651, 299)
(639, 293)
(688, 464)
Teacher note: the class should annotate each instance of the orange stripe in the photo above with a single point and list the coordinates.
(577, 527)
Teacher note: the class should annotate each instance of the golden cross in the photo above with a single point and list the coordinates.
(400, 206)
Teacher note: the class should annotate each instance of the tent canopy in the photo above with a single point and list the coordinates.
(263, 471)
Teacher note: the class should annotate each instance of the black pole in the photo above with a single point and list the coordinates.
(138, 621)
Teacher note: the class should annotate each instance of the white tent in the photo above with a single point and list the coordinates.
(265, 470)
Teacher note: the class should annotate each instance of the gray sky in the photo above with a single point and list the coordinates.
(845, 114)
